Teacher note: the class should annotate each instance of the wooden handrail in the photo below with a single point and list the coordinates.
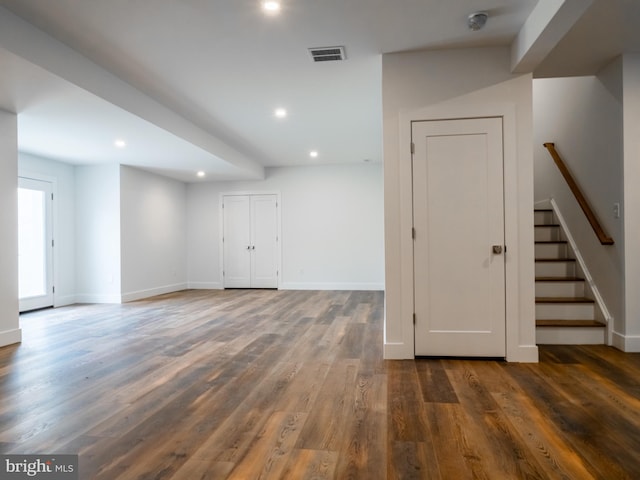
(582, 201)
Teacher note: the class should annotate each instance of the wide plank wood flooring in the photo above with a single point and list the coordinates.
(260, 384)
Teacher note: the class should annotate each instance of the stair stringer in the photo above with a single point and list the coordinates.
(601, 311)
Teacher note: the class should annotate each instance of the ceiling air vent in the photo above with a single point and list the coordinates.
(327, 54)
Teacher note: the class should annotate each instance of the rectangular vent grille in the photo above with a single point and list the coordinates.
(327, 54)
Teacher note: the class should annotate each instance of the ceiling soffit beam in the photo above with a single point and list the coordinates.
(28, 42)
(547, 24)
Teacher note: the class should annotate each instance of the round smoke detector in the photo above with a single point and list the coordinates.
(477, 20)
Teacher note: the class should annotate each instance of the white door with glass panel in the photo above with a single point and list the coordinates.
(35, 244)
(459, 260)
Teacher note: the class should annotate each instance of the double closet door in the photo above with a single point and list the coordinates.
(250, 241)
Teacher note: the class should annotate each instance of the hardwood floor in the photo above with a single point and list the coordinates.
(291, 384)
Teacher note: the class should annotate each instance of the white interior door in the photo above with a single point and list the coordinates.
(35, 244)
(250, 241)
(458, 196)
(236, 241)
(264, 233)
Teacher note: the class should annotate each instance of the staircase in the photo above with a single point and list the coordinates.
(564, 313)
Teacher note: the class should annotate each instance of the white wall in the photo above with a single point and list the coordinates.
(446, 84)
(332, 226)
(62, 176)
(98, 234)
(583, 117)
(153, 229)
(629, 339)
(9, 324)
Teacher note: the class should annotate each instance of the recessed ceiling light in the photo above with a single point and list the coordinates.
(313, 154)
(280, 113)
(119, 143)
(201, 174)
(271, 7)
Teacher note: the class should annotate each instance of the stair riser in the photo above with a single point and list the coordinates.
(554, 250)
(555, 269)
(570, 336)
(559, 289)
(547, 234)
(541, 218)
(565, 311)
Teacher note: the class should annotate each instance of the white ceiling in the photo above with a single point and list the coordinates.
(192, 84)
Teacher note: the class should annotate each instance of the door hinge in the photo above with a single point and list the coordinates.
(505, 249)
(52, 196)
(53, 243)
(414, 318)
(53, 289)
(413, 233)
(223, 273)
(413, 148)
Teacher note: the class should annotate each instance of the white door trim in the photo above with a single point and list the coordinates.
(520, 327)
(48, 299)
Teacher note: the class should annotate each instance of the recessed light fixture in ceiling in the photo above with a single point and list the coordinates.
(201, 174)
(271, 7)
(327, 54)
(280, 113)
(477, 20)
(313, 154)
(119, 143)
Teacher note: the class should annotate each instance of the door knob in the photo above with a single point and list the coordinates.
(497, 249)
(248, 247)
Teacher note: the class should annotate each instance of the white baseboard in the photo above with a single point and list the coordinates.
(98, 298)
(9, 337)
(64, 300)
(331, 286)
(206, 285)
(398, 351)
(523, 354)
(626, 343)
(152, 292)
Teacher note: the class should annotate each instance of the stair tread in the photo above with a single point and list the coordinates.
(555, 259)
(564, 300)
(559, 279)
(543, 210)
(547, 225)
(551, 242)
(569, 323)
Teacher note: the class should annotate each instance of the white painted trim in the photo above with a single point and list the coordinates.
(9, 337)
(606, 315)
(63, 301)
(626, 343)
(524, 354)
(331, 286)
(206, 285)
(54, 224)
(152, 292)
(396, 351)
(514, 350)
(98, 298)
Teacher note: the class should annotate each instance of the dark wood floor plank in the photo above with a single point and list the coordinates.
(434, 383)
(579, 426)
(293, 385)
